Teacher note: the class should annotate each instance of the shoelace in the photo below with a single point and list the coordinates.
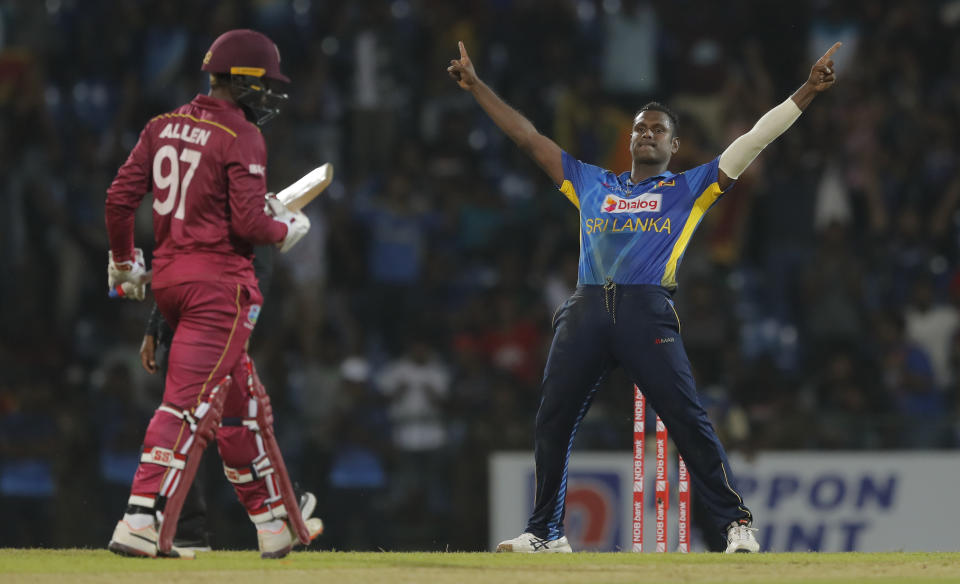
(740, 532)
(540, 544)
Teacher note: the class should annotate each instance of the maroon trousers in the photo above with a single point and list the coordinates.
(212, 322)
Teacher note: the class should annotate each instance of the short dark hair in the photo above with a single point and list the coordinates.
(659, 107)
(220, 80)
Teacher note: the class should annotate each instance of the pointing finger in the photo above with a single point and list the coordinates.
(463, 50)
(831, 51)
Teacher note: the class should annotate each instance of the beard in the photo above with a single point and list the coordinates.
(648, 156)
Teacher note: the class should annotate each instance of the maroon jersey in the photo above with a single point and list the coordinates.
(206, 165)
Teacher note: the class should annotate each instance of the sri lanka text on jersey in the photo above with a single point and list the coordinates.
(619, 224)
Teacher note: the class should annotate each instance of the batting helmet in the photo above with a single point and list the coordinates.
(252, 61)
(244, 52)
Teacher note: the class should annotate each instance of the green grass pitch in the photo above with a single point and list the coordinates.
(42, 566)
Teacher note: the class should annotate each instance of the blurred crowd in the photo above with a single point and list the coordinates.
(403, 340)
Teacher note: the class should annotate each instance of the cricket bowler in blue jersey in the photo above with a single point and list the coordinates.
(634, 228)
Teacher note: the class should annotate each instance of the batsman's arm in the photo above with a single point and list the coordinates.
(544, 151)
(148, 353)
(151, 337)
(123, 197)
(153, 323)
(250, 219)
(246, 190)
(738, 156)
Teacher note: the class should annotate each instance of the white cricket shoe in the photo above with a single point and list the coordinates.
(277, 543)
(142, 543)
(740, 539)
(530, 544)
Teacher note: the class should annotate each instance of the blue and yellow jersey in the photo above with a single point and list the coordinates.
(636, 233)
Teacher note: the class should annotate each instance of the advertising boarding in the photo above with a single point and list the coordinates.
(802, 501)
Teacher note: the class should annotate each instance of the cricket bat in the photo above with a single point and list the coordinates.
(297, 195)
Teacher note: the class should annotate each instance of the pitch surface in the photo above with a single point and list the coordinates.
(41, 566)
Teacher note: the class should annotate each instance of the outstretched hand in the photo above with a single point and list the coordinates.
(822, 75)
(462, 71)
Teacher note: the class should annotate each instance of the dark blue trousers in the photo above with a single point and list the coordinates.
(637, 328)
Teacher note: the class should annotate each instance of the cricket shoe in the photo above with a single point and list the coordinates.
(142, 543)
(740, 539)
(528, 543)
(277, 542)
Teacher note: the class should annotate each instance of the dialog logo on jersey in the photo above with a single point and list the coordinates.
(647, 202)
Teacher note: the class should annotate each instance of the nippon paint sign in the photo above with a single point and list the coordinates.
(837, 501)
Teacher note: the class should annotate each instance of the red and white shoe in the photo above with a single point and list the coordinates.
(277, 543)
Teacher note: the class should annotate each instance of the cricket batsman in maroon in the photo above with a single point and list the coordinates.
(205, 164)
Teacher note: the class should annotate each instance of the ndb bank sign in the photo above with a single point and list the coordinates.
(803, 501)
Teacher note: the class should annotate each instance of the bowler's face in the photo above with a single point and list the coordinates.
(652, 140)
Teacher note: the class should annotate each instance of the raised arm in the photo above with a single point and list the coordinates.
(738, 156)
(541, 149)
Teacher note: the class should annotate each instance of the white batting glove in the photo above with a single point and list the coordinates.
(128, 271)
(129, 290)
(297, 223)
(127, 279)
